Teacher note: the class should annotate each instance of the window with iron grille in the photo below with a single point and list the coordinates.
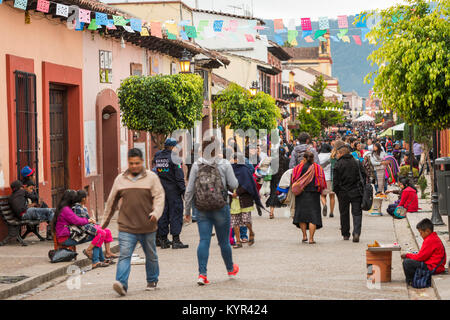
(105, 64)
(26, 122)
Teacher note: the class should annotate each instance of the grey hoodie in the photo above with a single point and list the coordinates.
(297, 155)
(226, 173)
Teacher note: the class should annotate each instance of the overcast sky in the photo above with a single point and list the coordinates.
(289, 9)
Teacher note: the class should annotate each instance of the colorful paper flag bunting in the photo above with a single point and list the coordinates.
(218, 24)
(319, 33)
(345, 39)
(155, 29)
(309, 39)
(342, 33)
(306, 24)
(21, 4)
(43, 6)
(144, 32)
(291, 25)
(79, 26)
(357, 40)
(292, 35)
(171, 36)
(136, 24)
(202, 24)
(101, 19)
(342, 22)
(191, 32)
(85, 16)
(233, 25)
(62, 10)
(324, 23)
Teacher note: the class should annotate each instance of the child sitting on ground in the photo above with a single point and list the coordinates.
(432, 252)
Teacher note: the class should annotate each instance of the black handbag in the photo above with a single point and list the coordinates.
(61, 255)
(422, 276)
(367, 192)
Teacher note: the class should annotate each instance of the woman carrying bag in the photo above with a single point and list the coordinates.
(308, 183)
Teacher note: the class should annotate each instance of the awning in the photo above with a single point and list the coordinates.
(272, 71)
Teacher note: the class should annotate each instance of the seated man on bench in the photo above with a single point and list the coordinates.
(18, 202)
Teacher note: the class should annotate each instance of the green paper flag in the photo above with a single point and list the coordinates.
(319, 33)
(322, 39)
(202, 24)
(292, 35)
(93, 25)
(342, 33)
(190, 31)
(171, 36)
(119, 21)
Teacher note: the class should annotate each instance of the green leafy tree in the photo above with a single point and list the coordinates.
(413, 58)
(321, 108)
(308, 123)
(161, 104)
(237, 108)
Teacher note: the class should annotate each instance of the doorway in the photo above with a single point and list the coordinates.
(58, 142)
(110, 140)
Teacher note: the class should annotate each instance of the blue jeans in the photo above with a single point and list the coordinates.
(97, 253)
(242, 231)
(127, 243)
(221, 220)
(41, 214)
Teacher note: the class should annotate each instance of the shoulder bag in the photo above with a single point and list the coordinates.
(422, 276)
(367, 191)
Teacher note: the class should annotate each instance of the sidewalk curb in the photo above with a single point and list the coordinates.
(33, 282)
(433, 283)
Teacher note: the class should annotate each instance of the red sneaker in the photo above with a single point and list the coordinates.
(202, 280)
(235, 271)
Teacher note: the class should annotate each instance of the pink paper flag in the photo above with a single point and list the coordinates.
(309, 39)
(155, 29)
(249, 38)
(306, 24)
(342, 22)
(278, 24)
(260, 28)
(85, 16)
(43, 6)
(357, 40)
(233, 25)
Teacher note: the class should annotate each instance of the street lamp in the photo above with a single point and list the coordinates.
(185, 61)
(254, 88)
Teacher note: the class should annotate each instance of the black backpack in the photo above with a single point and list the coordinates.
(210, 194)
(366, 191)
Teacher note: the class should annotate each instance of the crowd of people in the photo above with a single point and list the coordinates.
(223, 193)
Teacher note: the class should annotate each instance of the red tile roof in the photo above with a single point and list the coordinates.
(305, 53)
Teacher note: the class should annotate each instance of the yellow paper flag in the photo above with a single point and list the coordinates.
(144, 32)
(345, 39)
(172, 28)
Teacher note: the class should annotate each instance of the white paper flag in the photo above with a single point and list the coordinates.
(62, 10)
(128, 28)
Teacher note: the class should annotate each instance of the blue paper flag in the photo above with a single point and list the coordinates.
(279, 40)
(306, 33)
(279, 31)
(101, 19)
(335, 39)
(183, 23)
(79, 26)
(362, 22)
(136, 24)
(218, 24)
(364, 32)
(183, 35)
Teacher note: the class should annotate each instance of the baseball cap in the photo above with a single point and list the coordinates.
(26, 171)
(170, 142)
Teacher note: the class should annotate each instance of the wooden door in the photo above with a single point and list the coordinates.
(58, 143)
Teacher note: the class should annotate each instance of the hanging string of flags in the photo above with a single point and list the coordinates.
(229, 30)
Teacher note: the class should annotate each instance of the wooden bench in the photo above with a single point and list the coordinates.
(15, 225)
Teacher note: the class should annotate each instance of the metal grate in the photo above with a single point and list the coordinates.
(26, 122)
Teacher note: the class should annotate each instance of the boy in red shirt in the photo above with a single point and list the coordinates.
(432, 252)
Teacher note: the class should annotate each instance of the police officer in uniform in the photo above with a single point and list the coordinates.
(172, 180)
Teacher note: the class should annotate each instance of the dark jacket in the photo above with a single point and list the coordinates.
(346, 177)
(18, 202)
(170, 174)
(245, 198)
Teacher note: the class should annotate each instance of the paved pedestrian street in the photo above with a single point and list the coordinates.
(278, 266)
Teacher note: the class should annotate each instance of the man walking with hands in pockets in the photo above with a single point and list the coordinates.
(142, 205)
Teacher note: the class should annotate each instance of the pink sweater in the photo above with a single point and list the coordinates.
(67, 217)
